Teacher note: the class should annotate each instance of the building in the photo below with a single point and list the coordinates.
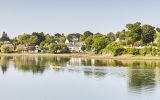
(74, 46)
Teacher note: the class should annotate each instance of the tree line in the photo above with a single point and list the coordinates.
(135, 39)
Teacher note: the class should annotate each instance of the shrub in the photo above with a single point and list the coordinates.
(133, 51)
(20, 48)
(154, 52)
(7, 48)
(53, 48)
(63, 48)
(116, 49)
(143, 51)
(149, 50)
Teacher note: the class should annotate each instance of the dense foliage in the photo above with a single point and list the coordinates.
(135, 39)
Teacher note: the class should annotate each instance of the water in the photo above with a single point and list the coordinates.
(31, 78)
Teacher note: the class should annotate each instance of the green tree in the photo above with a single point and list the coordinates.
(86, 34)
(158, 29)
(116, 49)
(24, 39)
(99, 43)
(88, 43)
(148, 33)
(40, 37)
(53, 48)
(5, 37)
(63, 48)
(83, 48)
(134, 31)
(111, 37)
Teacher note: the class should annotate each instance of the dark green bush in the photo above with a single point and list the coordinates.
(133, 51)
(116, 49)
(119, 51)
(154, 52)
(143, 51)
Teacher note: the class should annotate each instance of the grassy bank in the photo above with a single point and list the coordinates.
(95, 56)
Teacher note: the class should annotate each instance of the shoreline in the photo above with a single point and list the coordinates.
(95, 56)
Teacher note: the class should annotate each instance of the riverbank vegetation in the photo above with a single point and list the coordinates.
(135, 39)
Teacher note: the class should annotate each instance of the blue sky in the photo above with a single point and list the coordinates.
(69, 16)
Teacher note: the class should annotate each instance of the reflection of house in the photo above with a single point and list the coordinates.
(74, 45)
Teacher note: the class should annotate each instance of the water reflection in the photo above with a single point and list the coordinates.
(141, 80)
(141, 75)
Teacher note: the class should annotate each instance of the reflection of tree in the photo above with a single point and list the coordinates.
(88, 73)
(30, 63)
(4, 63)
(141, 78)
(99, 74)
(58, 60)
(94, 72)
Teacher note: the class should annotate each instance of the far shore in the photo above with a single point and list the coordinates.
(82, 55)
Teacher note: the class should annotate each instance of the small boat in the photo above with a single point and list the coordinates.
(55, 67)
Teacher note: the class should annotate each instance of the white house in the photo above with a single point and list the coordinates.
(74, 46)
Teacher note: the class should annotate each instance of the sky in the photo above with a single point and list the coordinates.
(75, 16)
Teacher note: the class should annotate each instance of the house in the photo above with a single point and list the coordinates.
(74, 45)
(37, 49)
(31, 49)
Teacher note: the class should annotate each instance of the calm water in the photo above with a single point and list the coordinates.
(31, 78)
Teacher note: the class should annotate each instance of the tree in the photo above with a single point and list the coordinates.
(7, 48)
(62, 39)
(86, 34)
(122, 36)
(5, 37)
(40, 37)
(53, 48)
(88, 43)
(111, 37)
(58, 34)
(33, 40)
(24, 39)
(115, 48)
(134, 31)
(83, 48)
(148, 33)
(99, 43)
(158, 29)
(63, 48)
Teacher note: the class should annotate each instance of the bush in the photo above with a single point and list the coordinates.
(63, 48)
(154, 52)
(53, 48)
(116, 49)
(119, 51)
(143, 51)
(133, 51)
(20, 48)
(149, 50)
(7, 48)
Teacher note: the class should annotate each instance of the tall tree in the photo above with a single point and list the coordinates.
(40, 36)
(135, 31)
(24, 38)
(99, 43)
(148, 33)
(86, 34)
(5, 37)
(111, 37)
(88, 43)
